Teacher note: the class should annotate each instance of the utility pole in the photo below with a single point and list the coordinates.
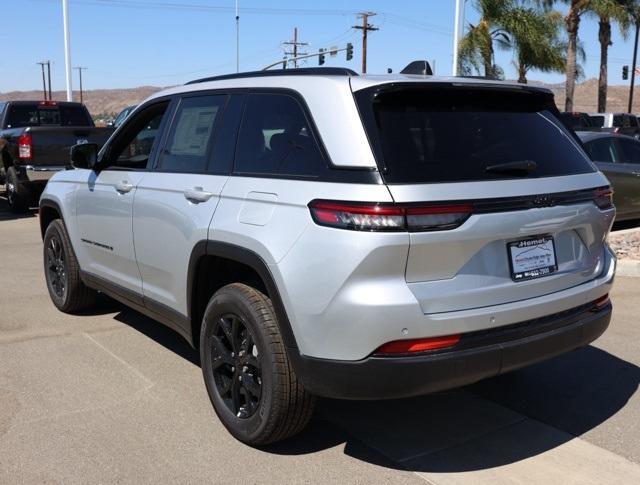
(80, 69)
(633, 67)
(294, 51)
(49, 77)
(67, 47)
(44, 83)
(365, 27)
(458, 32)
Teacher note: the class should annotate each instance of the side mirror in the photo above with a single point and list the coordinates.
(84, 155)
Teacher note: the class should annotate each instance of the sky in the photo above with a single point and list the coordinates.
(129, 43)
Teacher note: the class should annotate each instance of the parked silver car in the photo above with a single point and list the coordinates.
(318, 233)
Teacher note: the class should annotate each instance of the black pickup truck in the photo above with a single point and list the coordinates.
(35, 137)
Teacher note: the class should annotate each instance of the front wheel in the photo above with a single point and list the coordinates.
(249, 378)
(62, 271)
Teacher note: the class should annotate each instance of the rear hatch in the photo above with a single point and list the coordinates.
(520, 211)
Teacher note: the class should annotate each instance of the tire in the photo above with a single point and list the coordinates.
(17, 194)
(62, 272)
(246, 370)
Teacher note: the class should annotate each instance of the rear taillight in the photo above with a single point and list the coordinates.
(616, 130)
(417, 345)
(24, 146)
(603, 199)
(389, 217)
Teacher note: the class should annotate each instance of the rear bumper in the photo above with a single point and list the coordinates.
(479, 355)
(34, 173)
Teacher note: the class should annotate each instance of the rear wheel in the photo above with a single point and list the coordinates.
(17, 194)
(250, 381)
(62, 272)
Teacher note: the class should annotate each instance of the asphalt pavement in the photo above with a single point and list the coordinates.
(114, 397)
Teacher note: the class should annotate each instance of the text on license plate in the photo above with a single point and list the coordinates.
(532, 258)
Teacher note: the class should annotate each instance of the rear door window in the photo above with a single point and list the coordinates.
(426, 135)
(191, 134)
(276, 138)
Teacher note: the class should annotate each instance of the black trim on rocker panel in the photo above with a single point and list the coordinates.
(152, 309)
(254, 261)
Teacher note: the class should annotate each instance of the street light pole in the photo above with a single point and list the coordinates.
(633, 68)
(458, 29)
(67, 47)
(237, 38)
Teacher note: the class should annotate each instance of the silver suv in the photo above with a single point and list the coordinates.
(318, 233)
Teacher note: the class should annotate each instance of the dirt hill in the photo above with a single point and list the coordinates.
(110, 101)
(99, 101)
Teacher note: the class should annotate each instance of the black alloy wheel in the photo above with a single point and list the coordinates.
(235, 362)
(250, 381)
(62, 271)
(57, 267)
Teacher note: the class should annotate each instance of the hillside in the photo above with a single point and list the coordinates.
(111, 101)
(98, 101)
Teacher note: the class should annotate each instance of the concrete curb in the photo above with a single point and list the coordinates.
(628, 267)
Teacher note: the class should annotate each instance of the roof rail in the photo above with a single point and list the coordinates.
(303, 71)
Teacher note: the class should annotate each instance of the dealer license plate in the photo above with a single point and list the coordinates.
(532, 258)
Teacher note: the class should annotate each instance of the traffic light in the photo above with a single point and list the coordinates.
(321, 56)
(625, 72)
(349, 51)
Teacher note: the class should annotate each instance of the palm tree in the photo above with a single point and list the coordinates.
(476, 48)
(606, 11)
(572, 21)
(535, 40)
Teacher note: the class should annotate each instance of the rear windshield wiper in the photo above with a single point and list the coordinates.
(510, 167)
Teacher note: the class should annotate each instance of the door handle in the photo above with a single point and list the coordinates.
(124, 187)
(197, 195)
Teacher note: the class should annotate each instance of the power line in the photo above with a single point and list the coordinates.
(205, 7)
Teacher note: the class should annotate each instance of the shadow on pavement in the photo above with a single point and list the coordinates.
(481, 426)
(6, 214)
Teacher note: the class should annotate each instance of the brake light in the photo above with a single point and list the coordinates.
(48, 103)
(603, 199)
(25, 146)
(388, 217)
(418, 345)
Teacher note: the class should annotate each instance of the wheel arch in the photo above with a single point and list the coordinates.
(49, 210)
(251, 269)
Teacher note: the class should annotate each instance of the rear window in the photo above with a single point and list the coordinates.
(22, 115)
(423, 135)
(597, 121)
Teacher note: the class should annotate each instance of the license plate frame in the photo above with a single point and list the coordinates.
(542, 261)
